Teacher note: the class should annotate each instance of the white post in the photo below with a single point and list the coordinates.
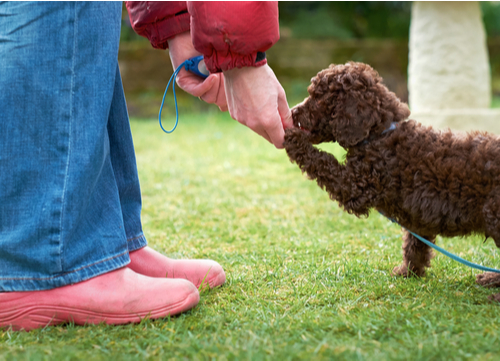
(449, 74)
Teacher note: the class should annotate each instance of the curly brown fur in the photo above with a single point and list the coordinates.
(431, 182)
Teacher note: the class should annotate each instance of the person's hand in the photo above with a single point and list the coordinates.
(256, 99)
(210, 90)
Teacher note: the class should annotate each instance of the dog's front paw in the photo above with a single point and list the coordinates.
(295, 135)
(488, 279)
(405, 271)
(297, 144)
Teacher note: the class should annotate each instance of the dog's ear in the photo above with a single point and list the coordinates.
(364, 105)
(353, 121)
(354, 117)
(402, 112)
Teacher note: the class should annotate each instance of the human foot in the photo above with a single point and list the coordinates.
(148, 262)
(118, 297)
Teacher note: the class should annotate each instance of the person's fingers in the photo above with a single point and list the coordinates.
(266, 137)
(262, 132)
(267, 126)
(194, 85)
(211, 95)
(217, 94)
(256, 99)
(210, 90)
(274, 130)
(284, 111)
(221, 100)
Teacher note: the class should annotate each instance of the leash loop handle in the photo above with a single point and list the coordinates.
(196, 66)
(174, 75)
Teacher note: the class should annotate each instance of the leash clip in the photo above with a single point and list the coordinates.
(197, 66)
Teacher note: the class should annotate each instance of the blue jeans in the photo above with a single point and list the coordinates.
(70, 200)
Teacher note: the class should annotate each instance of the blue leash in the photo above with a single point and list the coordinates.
(445, 252)
(194, 65)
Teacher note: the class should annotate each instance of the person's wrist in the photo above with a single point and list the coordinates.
(236, 72)
(181, 48)
(179, 38)
(259, 61)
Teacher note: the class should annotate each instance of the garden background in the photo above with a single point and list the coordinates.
(313, 35)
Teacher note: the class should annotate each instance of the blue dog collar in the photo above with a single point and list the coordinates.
(393, 126)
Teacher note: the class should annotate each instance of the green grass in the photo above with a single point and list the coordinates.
(304, 279)
(495, 102)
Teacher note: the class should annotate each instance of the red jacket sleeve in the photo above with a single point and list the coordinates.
(230, 33)
(158, 21)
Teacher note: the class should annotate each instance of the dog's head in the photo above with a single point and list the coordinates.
(347, 103)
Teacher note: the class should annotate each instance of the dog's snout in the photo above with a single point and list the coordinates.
(296, 115)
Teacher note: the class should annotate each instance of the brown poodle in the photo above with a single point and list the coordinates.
(431, 182)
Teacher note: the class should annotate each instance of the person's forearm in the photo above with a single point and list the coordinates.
(231, 34)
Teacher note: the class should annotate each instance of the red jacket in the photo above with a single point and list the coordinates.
(228, 34)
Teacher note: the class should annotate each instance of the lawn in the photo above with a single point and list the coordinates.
(304, 279)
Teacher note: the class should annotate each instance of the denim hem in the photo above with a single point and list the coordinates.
(136, 243)
(82, 274)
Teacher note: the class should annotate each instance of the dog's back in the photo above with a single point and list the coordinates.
(437, 182)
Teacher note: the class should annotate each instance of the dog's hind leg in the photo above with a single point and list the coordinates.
(491, 216)
(490, 279)
(416, 256)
